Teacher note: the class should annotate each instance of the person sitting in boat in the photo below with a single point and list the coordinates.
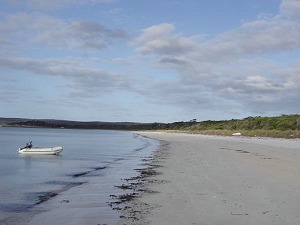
(29, 145)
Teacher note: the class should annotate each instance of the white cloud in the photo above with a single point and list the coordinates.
(265, 35)
(259, 83)
(82, 79)
(290, 8)
(81, 35)
(160, 39)
(154, 32)
(42, 29)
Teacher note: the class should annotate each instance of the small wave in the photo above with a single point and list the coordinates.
(45, 196)
(80, 174)
(146, 144)
(65, 183)
(41, 197)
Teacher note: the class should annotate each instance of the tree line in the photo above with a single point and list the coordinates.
(274, 124)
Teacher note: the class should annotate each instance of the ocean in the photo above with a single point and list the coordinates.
(98, 159)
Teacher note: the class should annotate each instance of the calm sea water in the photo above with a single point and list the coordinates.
(89, 156)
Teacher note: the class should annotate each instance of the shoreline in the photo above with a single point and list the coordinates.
(132, 210)
(207, 179)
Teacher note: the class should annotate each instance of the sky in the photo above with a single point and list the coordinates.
(149, 60)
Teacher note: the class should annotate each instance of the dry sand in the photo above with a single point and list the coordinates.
(212, 180)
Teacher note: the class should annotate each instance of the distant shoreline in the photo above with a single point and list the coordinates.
(284, 126)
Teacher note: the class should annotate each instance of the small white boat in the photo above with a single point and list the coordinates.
(28, 149)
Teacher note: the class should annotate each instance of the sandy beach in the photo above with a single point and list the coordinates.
(212, 180)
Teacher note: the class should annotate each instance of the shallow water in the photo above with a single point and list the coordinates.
(90, 157)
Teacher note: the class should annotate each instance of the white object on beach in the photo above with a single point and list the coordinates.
(41, 151)
(236, 134)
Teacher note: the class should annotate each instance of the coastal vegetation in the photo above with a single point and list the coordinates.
(285, 126)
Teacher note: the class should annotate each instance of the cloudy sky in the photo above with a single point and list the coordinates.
(149, 60)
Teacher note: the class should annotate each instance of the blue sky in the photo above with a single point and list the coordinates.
(149, 61)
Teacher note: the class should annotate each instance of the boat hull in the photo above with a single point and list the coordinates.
(41, 151)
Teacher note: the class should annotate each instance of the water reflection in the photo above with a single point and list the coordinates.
(31, 161)
(27, 160)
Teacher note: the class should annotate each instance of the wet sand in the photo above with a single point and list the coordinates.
(213, 180)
